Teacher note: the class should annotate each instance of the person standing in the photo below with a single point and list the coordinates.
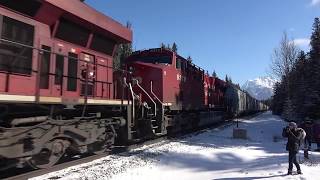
(294, 136)
(307, 127)
(316, 133)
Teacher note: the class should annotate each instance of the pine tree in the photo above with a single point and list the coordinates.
(278, 99)
(174, 47)
(298, 94)
(214, 74)
(168, 47)
(313, 83)
(315, 40)
(189, 59)
(298, 85)
(122, 52)
(227, 79)
(163, 46)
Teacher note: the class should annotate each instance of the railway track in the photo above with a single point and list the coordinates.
(24, 174)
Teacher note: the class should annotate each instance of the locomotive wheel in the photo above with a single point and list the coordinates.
(49, 155)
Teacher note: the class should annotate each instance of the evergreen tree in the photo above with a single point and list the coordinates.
(163, 46)
(189, 59)
(214, 74)
(297, 96)
(298, 85)
(313, 83)
(122, 52)
(315, 40)
(168, 47)
(230, 80)
(174, 47)
(278, 99)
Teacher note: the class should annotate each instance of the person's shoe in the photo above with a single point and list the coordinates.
(299, 172)
(289, 173)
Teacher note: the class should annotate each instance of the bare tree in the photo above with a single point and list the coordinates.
(283, 57)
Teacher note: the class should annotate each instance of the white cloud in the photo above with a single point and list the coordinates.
(302, 42)
(315, 2)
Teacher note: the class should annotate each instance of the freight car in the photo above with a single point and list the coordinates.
(239, 102)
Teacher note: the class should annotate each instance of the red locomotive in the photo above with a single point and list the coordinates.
(56, 80)
(60, 94)
(179, 92)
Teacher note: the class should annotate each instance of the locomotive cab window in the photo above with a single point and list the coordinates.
(14, 57)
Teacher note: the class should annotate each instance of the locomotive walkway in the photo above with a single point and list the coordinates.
(212, 154)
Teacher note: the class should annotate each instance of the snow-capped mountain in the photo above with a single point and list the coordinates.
(261, 88)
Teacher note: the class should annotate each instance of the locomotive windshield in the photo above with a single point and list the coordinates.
(155, 59)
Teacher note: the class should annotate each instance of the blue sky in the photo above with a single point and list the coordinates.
(234, 37)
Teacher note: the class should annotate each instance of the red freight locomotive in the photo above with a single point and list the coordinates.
(56, 81)
(180, 93)
(59, 93)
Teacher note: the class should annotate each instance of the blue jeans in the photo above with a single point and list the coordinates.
(293, 160)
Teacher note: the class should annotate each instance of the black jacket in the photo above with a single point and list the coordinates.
(294, 137)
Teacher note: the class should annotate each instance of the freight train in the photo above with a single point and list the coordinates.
(59, 92)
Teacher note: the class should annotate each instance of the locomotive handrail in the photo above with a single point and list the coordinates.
(162, 106)
(55, 53)
(133, 110)
(155, 104)
(151, 88)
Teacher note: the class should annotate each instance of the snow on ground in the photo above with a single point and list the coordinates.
(212, 154)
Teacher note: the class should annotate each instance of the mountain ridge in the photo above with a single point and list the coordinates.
(260, 88)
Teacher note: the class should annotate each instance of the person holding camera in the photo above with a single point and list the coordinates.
(294, 135)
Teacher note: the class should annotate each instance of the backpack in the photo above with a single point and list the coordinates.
(303, 135)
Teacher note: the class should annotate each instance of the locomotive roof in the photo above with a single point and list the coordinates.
(87, 16)
(163, 51)
(50, 11)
